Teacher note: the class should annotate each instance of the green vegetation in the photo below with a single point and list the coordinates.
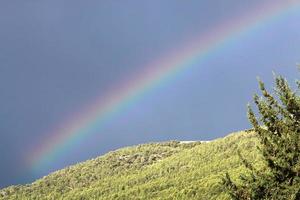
(278, 128)
(258, 164)
(169, 170)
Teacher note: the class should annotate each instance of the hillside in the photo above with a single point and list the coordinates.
(168, 170)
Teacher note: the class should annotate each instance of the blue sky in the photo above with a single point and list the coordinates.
(58, 56)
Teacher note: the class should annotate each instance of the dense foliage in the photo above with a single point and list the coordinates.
(278, 129)
(170, 170)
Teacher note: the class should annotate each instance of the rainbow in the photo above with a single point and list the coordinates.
(152, 75)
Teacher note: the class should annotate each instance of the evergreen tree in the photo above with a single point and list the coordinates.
(278, 130)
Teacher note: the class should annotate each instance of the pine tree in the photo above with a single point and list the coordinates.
(278, 130)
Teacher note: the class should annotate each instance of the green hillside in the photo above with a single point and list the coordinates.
(168, 170)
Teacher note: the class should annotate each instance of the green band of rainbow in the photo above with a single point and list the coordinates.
(155, 73)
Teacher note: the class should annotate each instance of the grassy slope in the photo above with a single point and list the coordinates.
(167, 170)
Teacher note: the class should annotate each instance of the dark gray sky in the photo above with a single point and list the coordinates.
(58, 56)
